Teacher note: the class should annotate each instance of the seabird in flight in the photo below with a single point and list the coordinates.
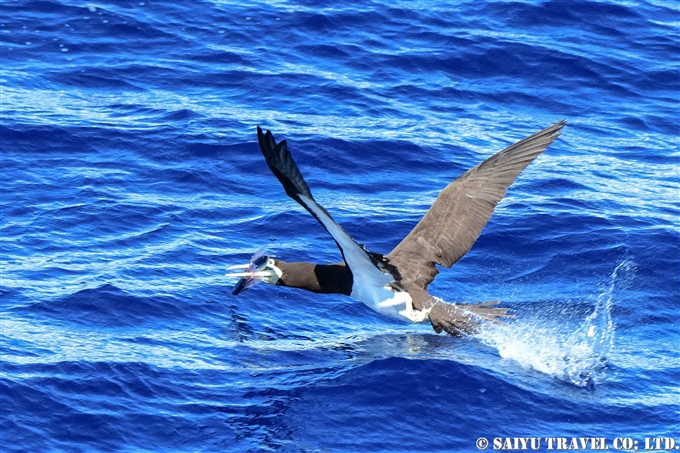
(396, 284)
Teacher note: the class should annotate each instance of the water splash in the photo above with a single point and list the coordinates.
(545, 343)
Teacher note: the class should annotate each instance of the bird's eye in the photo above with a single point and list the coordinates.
(270, 262)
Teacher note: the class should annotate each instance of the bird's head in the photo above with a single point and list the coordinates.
(261, 268)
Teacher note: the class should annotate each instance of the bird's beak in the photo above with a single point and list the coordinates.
(250, 277)
(253, 273)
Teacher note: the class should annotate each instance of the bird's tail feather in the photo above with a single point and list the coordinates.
(488, 311)
(465, 319)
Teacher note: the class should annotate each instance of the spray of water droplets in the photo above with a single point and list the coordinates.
(576, 355)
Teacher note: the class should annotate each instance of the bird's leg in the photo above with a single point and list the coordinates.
(414, 315)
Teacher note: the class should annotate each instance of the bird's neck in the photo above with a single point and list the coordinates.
(319, 278)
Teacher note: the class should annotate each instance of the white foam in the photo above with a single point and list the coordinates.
(576, 354)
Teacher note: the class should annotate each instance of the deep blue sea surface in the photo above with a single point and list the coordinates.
(131, 179)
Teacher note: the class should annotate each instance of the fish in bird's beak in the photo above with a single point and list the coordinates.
(254, 272)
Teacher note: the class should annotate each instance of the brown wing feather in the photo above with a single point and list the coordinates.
(455, 220)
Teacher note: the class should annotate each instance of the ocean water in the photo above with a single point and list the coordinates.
(131, 179)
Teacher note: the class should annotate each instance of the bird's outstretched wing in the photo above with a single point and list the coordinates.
(455, 220)
(364, 264)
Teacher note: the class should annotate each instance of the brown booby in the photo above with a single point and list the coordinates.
(396, 284)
